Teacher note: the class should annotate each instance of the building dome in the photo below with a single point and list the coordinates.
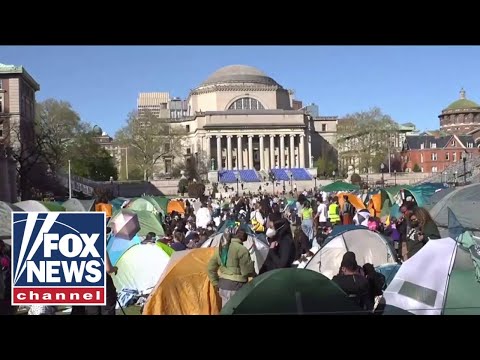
(234, 74)
(462, 103)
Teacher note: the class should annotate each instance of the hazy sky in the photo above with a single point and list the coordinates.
(410, 83)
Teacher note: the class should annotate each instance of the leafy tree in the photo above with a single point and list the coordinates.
(196, 190)
(365, 137)
(150, 139)
(355, 179)
(135, 173)
(416, 168)
(325, 166)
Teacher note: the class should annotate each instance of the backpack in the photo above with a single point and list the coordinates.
(256, 225)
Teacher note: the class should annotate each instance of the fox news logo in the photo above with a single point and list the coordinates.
(58, 258)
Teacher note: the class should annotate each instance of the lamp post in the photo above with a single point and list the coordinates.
(382, 167)
(395, 174)
(366, 172)
(237, 184)
(334, 175)
(315, 178)
(464, 158)
(456, 174)
(291, 183)
(446, 177)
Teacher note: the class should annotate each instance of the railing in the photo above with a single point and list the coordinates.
(455, 172)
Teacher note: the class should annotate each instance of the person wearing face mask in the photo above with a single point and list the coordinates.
(423, 229)
(282, 251)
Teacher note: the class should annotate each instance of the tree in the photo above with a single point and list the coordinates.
(416, 168)
(98, 165)
(135, 173)
(355, 179)
(325, 166)
(150, 139)
(364, 139)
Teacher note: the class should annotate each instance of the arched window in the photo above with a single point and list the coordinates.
(246, 103)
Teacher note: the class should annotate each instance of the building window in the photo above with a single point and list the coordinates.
(433, 145)
(1, 104)
(421, 169)
(187, 128)
(454, 157)
(168, 166)
(434, 169)
(189, 151)
(453, 142)
(447, 156)
(422, 146)
(1, 84)
(324, 127)
(421, 158)
(434, 156)
(470, 145)
(166, 147)
(1, 131)
(246, 103)
(163, 106)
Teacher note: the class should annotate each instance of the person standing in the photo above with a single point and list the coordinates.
(348, 211)
(307, 221)
(334, 212)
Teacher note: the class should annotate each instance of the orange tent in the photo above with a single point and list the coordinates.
(184, 288)
(106, 208)
(354, 200)
(375, 205)
(175, 205)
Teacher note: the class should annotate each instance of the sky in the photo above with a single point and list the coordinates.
(409, 83)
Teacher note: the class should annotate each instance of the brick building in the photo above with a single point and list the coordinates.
(434, 153)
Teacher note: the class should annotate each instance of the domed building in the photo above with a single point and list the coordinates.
(461, 117)
(240, 118)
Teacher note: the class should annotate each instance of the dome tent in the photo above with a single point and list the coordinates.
(6, 210)
(78, 205)
(368, 246)
(32, 205)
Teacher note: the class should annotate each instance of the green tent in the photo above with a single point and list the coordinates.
(6, 219)
(290, 291)
(141, 204)
(149, 222)
(339, 186)
(427, 190)
(156, 204)
(162, 201)
(168, 250)
(117, 204)
(52, 206)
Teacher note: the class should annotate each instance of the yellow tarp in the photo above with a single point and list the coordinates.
(354, 200)
(175, 205)
(375, 205)
(184, 288)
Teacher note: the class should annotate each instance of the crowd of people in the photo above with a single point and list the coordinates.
(293, 231)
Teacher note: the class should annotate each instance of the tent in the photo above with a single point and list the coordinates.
(464, 203)
(354, 200)
(339, 186)
(439, 195)
(53, 206)
(442, 278)
(6, 219)
(32, 205)
(116, 247)
(157, 204)
(257, 248)
(78, 205)
(162, 202)
(368, 246)
(149, 222)
(426, 190)
(142, 204)
(140, 268)
(117, 203)
(175, 205)
(184, 288)
(290, 291)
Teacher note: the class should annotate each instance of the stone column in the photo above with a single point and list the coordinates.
(292, 151)
(219, 152)
(250, 151)
(272, 151)
(261, 150)
(239, 152)
(208, 150)
(282, 151)
(229, 152)
(301, 152)
(310, 163)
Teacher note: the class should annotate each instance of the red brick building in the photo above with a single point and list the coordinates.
(431, 153)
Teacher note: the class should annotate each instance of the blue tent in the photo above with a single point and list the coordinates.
(116, 247)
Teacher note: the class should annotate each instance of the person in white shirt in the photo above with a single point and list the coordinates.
(203, 217)
(322, 213)
(257, 220)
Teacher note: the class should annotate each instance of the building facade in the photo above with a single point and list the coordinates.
(239, 118)
(461, 117)
(434, 154)
(17, 116)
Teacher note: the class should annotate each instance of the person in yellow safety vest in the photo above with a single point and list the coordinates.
(334, 212)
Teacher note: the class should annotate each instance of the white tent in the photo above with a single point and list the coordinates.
(368, 246)
(32, 205)
(258, 249)
(140, 268)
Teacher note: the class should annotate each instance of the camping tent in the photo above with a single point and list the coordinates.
(184, 288)
(339, 186)
(6, 219)
(354, 200)
(368, 246)
(140, 268)
(176, 205)
(464, 202)
(149, 222)
(141, 204)
(117, 203)
(440, 279)
(78, 205)
(257, 248)
(53, 206)
(161, 201)
(116, 247)
(290, 291)
(32, 205)
(439, 195)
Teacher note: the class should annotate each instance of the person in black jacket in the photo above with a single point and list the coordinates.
(282, 246)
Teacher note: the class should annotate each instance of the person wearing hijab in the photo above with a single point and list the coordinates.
(282, 251)
(231, 264)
